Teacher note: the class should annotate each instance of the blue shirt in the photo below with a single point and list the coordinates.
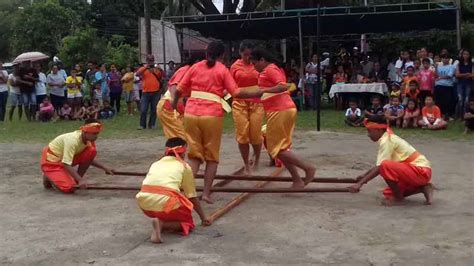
(445, 71)
(102, 78)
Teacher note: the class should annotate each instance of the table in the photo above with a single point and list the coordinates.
(380, 88)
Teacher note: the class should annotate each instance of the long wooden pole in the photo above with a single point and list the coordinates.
(239, 199)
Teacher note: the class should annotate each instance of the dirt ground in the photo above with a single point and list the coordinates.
(106, 227)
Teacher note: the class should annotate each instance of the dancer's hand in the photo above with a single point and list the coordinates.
(109, 171)
(206, 222)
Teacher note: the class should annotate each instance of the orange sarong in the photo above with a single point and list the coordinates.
(182, 214)
(248, 118)
(280, 127)
(203, 134)
(408, 177)
(172, 126)
(58, 175)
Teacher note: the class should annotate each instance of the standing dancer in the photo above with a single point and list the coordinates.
(247, 113)
(281, 116)
(171, 121)
(207, 82)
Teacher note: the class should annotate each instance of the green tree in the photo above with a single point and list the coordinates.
(82, 46)
(42, 26)
(120, 53)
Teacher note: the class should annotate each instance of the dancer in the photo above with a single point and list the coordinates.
(68, 150)
(405, 170)
(247, 113)
(281, 116)
(160, 197)
(171, 121)
(206, 82)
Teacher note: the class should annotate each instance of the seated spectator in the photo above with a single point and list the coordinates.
(46, 111)
(353, 115)
(376, 108)
(469, 117)
(340, 77)
(66, 112)
(431, 116)
(394, 112)
(93, 110)
(412, 114)
(426, 79)
(107, 111)
(81, 113)
(412, 92)
(395, 90)
(407, 79)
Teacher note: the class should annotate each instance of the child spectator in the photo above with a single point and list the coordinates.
(412, 114)
(426, 78)
(353, 115)
(444, 87)
(376, 108)
(93, 110)
(98, 94)
(107, 111)
(395, 90)
(81, 113)
(66, 112)
(431, 116)
(394, 113)
(46, 111)
(340, 77)
(412, 93)
(469, 117)
(74, 95)
(407, 79)
(127, 84)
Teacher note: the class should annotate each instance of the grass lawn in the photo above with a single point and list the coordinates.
(125, 126)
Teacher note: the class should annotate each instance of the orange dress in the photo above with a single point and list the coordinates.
(172, 124)
(280, 110)
(204, 111)
(247, 113)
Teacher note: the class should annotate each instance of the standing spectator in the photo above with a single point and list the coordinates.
(127, 84)
(392, 72)
(74, 95)
(137, 88)
(378, 74)
(425, 55)
(26, 82)
(312, 72)
(426, 78)
(170, 69)
(367, 65)
(417, 66)
(15, 96)
(444, 87)
(464, 74)
(46, 110)
(56, 82)
(40, 85)
(101, 78)
(410, 76)
(340, 77)
(89, 80)
(403, 63)
(3, 92)
(115, 85)
(151, 76)
(78, 69)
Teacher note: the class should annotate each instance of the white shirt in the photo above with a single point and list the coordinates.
(11, 81)
(392, 73)
(399, 64)
(40, 85)
(4, 86)
(357, 112)
(56, 78)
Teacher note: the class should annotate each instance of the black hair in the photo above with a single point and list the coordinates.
(193, 59)
(412, 67)
(394, 97)
(215, 50)
(379, 119)
(376, 97)
(413, 101)
(353, 101)
(426, 60)
(413, 82)
(175, 142)
(429, 96)
(444, 56)
(91, 120)
(246, 45)
(260, 53)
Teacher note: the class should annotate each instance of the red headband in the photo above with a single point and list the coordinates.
(176, 151)
(92, 128)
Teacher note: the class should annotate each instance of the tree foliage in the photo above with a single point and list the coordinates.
(82, 46)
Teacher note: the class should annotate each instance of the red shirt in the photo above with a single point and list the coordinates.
(174, 80)
(216, 80)
(426, 79)
(431, 113)
(270, 77)
(245, 75)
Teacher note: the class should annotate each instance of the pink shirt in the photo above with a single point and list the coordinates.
(426, 80)
(46, 107)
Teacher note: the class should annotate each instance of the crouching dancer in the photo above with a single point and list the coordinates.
(160, 197)
(404, 169)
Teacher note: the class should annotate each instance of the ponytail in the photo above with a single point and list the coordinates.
(215, 50)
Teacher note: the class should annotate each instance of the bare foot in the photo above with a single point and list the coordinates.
(156, 234)
(428, 191)
(310, 173)
(247, 170)
(207, 199)
(46, 183)
(297, 185)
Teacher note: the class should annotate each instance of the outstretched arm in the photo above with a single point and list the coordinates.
(200, 211)
(369, 175)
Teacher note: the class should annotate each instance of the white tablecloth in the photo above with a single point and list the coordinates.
(380, 88)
